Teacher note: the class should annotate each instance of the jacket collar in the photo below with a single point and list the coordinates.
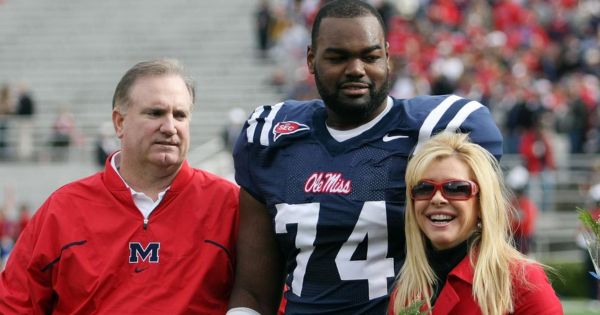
(458, 290)
(463, 271)
(116, 185)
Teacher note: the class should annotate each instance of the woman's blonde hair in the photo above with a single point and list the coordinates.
(490, 252)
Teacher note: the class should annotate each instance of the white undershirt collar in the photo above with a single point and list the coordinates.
(144, 203)
(343, 135)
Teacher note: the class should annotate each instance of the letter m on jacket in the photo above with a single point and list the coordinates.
(150, 252)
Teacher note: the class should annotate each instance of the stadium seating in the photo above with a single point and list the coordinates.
(73, 53)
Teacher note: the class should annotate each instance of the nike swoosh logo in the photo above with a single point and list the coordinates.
(388, 138)
(138, 270)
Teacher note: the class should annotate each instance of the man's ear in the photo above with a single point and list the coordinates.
(118, 120)
(310, 59)
(387, 56)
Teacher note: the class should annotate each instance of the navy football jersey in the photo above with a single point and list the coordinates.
(337, 207)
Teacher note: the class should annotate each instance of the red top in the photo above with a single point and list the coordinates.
(86, 251)
(456, 297)
(524, 224)
(536, 151)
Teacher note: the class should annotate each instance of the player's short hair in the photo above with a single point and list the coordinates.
(343, 9)
(156, 67)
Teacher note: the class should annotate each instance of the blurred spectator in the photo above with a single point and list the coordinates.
(280, 22)
(290, 37)
(264, 22)
(577, 122)
(537, 152)
(235, 121)
(4, 223)
(289, 53)
(524, 216)
(64, 134)
(25, 103)
(6, 226)
(24, 113)
(387, 10)
(407, 9)
(106, 143)
(23, 220)
(304, 87)
(590, 95)
(6, 245)
(447, 68)
(520, 117)
(5, 113)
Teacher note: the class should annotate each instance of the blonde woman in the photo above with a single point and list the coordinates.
(459, 256)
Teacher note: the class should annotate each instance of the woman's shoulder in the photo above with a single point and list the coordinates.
(532, 270)
(532, 290)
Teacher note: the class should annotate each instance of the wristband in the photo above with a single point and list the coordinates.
(242, 311)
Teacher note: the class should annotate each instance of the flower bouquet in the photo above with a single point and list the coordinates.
(413, 309)
(591, 234)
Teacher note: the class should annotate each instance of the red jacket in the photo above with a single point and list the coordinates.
(86, 250)
(456, 298)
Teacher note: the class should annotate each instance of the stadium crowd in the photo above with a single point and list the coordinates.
(525, 59)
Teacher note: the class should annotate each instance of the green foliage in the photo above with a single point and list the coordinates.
(569, 279)
(414, 309)
(588, 221)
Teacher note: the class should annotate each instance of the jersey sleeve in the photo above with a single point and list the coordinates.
(241, 162)
(25, 287)
(452, 113)
(254, 135)
(483, 130)
(268, 129)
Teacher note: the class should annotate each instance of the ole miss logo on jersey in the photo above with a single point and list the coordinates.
(328, 183)
(287, 128)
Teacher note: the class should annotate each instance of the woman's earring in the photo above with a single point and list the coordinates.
(479, 224)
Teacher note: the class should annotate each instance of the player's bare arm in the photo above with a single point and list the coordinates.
(259, 271)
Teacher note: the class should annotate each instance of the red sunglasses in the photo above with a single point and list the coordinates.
(452, 189)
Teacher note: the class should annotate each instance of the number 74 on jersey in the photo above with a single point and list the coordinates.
(372, 222)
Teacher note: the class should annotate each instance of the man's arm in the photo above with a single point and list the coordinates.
(259, 269)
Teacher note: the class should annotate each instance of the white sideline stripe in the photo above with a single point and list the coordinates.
(264, 135)
(252, 123)
(433, 118)
(462, 115)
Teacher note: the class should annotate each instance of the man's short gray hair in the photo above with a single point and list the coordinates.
(149, 68)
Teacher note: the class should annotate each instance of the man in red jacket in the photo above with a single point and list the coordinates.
(522, 221)
(148, 235)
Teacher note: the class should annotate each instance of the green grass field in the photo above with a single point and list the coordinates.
(570, 281)
(580, 307)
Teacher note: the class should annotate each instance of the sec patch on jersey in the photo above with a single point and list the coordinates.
(287, 128)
